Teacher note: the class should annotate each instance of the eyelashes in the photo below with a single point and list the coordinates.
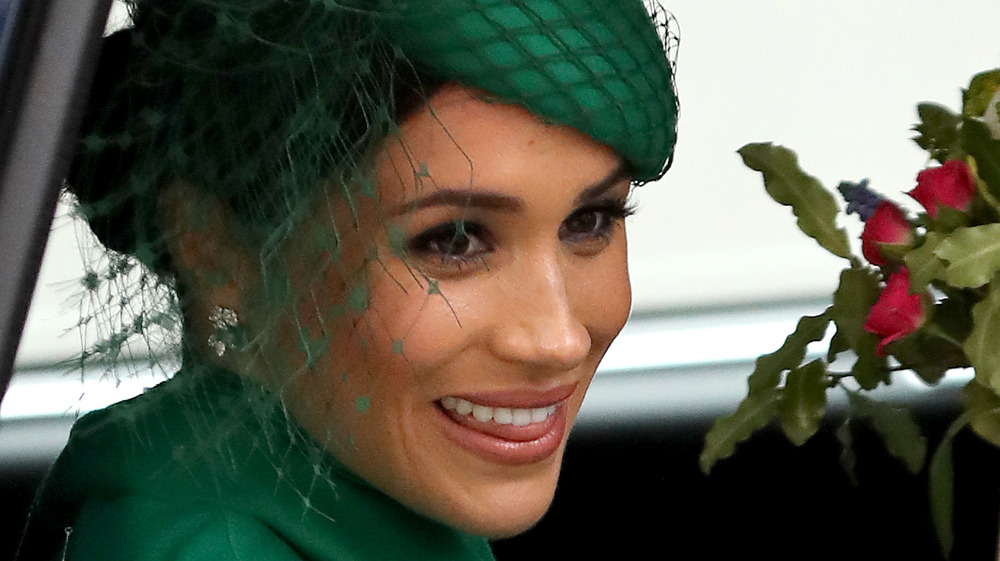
(457, 245)
(595, 221)
(454, 240)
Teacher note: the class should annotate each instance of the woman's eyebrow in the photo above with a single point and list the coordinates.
(463, 198)
(603, 186)
(497, 201)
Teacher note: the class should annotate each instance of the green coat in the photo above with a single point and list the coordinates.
(202, 468)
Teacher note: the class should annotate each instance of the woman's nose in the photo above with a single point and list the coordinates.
(537, 322)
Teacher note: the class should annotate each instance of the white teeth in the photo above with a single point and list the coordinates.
(518, 417)
(522, 417)
(539, 414)
(503, 415)
(482, 413)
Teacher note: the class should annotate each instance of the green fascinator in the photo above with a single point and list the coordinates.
(260, 101)
(596, 65)
(232, 162)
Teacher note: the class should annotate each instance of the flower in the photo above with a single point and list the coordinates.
(896, 313)
(949, 185)
(860, 198)
(887, 226)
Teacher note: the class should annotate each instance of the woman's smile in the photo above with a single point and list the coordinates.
(389, 267)
(498, 283)
(514, 427)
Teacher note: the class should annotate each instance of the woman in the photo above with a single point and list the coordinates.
(394, 234)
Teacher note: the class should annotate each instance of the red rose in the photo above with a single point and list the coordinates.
(886, 226)
(897, 313)
(950, 185)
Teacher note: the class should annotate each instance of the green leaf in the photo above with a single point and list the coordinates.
(870, 369)
(922, 262)
(855, 295)
(837, 345)
(937, 132)
(982, 87)
(986, 206)
(982, 407)
(787, 184)
(942, 487)
(754, 413)
(925, 354)
(981, 346)
(949, 219)
(803, 402)
(979, 143)
(951, 318)
(972, 255)
(896, 427)
(768, 368)
(852, 301)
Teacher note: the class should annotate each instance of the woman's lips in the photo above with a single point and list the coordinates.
(512, 428)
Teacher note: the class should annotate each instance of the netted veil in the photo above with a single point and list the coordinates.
(267, 114)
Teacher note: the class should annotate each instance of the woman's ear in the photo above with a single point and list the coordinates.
(212, 263)
(207, 256)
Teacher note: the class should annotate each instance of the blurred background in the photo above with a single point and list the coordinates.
(720, 275)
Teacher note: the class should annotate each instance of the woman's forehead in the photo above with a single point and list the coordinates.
(462, 140)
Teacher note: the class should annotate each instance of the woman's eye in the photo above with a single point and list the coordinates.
(584, 222)
(457, 241)
(594, 222)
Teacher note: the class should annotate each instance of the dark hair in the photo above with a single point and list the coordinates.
(258, 123)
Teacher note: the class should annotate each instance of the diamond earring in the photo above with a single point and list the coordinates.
(227, 333)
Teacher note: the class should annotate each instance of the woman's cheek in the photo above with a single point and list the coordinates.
(606, 293)
(422, 321)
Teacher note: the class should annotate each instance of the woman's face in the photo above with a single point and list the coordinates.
(496, 282)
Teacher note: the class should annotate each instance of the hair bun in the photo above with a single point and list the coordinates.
(111, 136)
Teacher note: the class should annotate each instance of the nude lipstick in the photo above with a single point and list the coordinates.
(513, 428)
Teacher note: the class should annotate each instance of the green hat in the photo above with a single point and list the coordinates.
(596, 65)
(265, 109)
(262, 102)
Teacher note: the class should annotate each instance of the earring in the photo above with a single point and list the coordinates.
(227, 333)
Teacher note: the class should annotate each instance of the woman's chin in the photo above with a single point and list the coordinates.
(505, 520)
(503, 509)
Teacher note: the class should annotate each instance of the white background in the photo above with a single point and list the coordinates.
(837, 82)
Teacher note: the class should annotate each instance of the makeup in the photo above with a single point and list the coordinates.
(500, 282)
(512, 431)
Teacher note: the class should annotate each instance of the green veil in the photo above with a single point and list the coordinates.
(265, 105)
